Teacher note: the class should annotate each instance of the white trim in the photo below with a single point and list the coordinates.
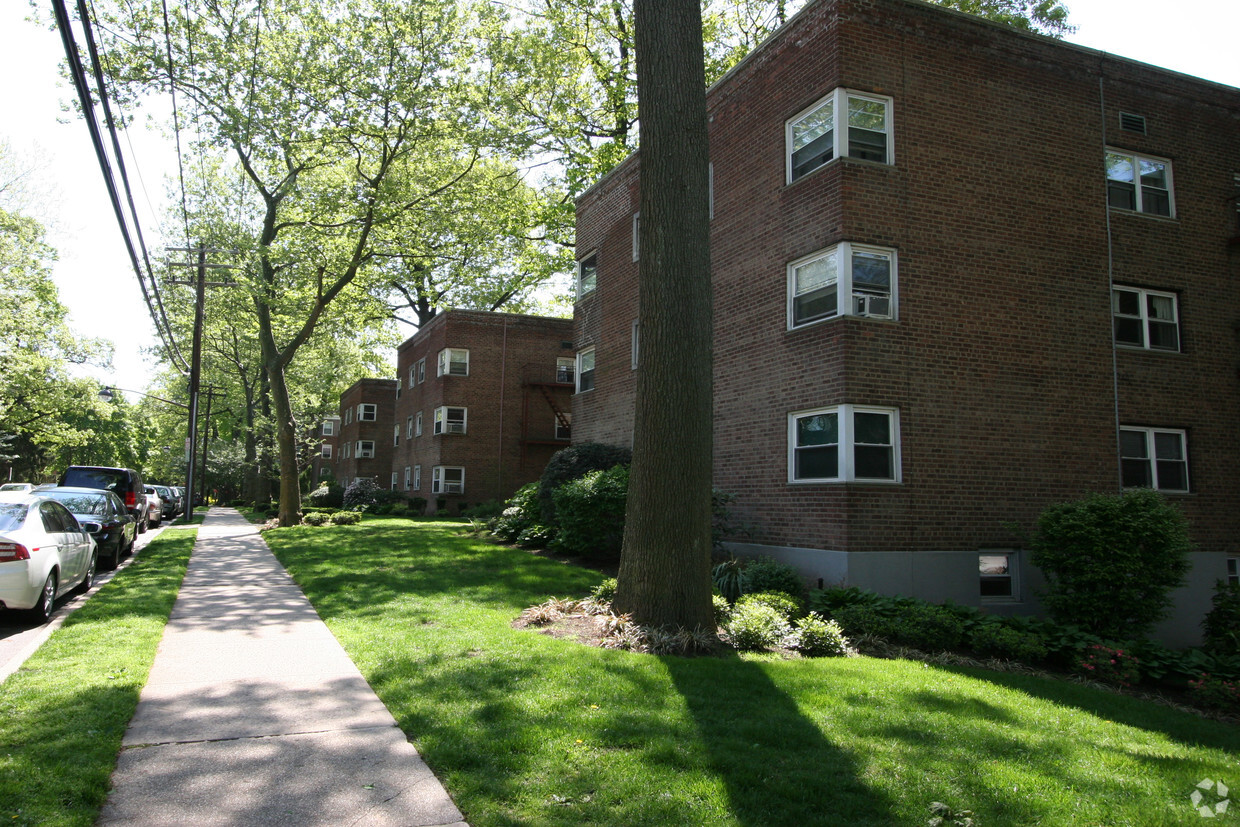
(1135, 159)
(846, 444)
(838, 99)
(581, 371)
(849, 301)
(1151, 458)
(365, 449)
(637, 226)
(1143, 317)
(446, 424)
(594, 281)
(1012, 575)
(440, 484)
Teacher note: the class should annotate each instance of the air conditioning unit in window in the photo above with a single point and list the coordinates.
(453, 488)
(456, 427)
(876, 307)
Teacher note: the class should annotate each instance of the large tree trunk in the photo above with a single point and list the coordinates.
(664, 575)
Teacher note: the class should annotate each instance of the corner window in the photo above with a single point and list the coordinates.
(417, 424)
(585, 370)
(367, 412)
(421, 368)
(445, 480)
(329, 427)
(453, 362)
(587, 275)
(327, 450)
(409, 427)
(417, 478)
(1139, 183)
(1154, 458)
(1145, 319)
(845, 280)
(413, 375)
(450, 420)
(408, 477)
(348, 450)
(396, 435)
(365, 449)
(565, 370)
(348, 416)
(997, 572)
(844, 443)
(813, 140)
(563, 426)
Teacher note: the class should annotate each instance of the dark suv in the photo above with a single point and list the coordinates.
(126, 483)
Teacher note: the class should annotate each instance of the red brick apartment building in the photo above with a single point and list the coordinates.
(482, 404)
(327, 435)
(364, 438)
(961, 273)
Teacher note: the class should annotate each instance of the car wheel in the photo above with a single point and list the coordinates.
(47, 599)
(89, 580)
(114, 559)
(142, 526)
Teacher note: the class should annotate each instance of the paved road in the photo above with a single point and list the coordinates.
(19, 640)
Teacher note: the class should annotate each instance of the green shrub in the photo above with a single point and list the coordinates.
(1216, 693)
(590, 513)
(346, 518)
(997, 640)
(1222, 622)
(314, 518)
(859, 619)
(930, 628)
(536, 536)
(1111, 561)
(780, 602)
(766, 574)
(327, 495)
(1108, 664)
(604, 592)
(815, 637)
(361, 495)
(522, 511)
(572, 463)
(721, 608)
(727, 578)
(417, 505)
(756, 626)
(484, 511)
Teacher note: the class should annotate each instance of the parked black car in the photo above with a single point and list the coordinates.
(104, 516)
(125, 483)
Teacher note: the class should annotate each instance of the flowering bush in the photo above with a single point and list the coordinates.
(1115, 666)
(1215, 692)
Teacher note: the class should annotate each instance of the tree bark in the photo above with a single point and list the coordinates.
(664, 577)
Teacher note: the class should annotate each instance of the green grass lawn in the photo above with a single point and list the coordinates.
(528, 730)
(64, 712)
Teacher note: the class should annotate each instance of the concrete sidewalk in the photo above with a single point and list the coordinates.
(254, 715)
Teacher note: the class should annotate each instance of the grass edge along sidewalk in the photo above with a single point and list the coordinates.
(526, 729)
(64, 712)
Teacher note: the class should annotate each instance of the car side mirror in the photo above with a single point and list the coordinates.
(92, 527)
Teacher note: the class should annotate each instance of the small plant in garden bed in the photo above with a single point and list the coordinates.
(756, 625)
(1108, 665)
(816, 637)
(1216, 693)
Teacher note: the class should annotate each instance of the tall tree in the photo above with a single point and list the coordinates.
(664, 577)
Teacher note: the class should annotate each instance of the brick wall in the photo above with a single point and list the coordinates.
(382, 394)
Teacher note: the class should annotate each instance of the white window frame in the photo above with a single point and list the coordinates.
(395, 435)
(409, 427)
(849, 300)
(444, 424)
(1151, 458)
(445, 361)
(635, 344)
(417, 424)
(846, 446)
(395, 480)
(581, 371)
(413, 375)
(365, 449)
(566, 370)
(417, 478)
(348, 416)
(326, 450)
(367, 412)
(348, 450)
(408, 477)
(1144, 317)
(587, 284)
(1139, 196)
(421, 366)
(637, 228)
(1011, 576)
(440, 483)
(838, 99)
(329, 427)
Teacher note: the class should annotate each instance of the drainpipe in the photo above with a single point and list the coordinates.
(1102, 105)
(499, 452)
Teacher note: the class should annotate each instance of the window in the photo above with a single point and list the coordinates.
(997, 570)
(367, 412)
(563, 426)
(421, 366)
(845, 280)
(844, 443)
(1233, 571)
(453, 362)
(1145, 319)
(585, 370)
(637, 229)
(450, 420)
(399, 385)
(1139, 183)
(413, 375)
(634, 343)
(329, 427)
(396, 435)
(565, 370)
(327, 450)
(587, 275)
(408, 477)
(394, 480)
(348, 450)
(1153, 458)
(409, 427)
(417, 478)
(445, 480)
(348, 416)
(417, 424)
(365, 449)
(812, 139)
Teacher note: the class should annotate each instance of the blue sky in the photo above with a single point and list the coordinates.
(1197, 37)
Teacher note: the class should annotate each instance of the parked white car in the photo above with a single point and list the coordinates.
(44, 553)
(155, 503)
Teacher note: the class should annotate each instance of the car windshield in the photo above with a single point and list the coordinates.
(80, 503)
(12, 515)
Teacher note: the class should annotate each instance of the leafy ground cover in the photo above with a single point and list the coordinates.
(527, 729)
(64, 712)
